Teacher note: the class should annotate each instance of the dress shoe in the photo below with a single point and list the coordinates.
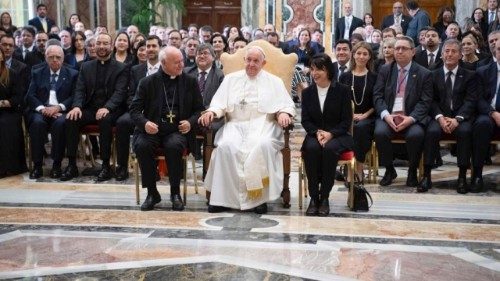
(55, 172)
(177, 204)
(150, 202)
(462, 186)
(312, 210)
(389, 176)
(70, 172)
(36, 173)
(477, 185)
(261, 209)
(121, 173)
(339, 176)
(425, 184)
(104, 174)
(412, 179)
(324, 208)
(488, 161)
(216, 209)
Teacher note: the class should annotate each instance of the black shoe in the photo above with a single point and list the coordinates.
(121, 173)
(324, 208)
(339, 176)
(216, 209)
(105, 173)
(488, 161)
(412, 179)
(36, 173)
(477, 184)
(177, 204)
(425, 184)
(389, 176)
(312, 210)
(261, 209)
(462, 186)
(70, 172)
(151, 200)
(55, 172)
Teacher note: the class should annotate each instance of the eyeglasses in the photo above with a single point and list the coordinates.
(402, 48)
(54, 57)
(174, 38)
(203, 54)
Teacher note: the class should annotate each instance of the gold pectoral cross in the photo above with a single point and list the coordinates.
(170, 116)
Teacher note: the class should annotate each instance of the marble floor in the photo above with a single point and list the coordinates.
(82, 230)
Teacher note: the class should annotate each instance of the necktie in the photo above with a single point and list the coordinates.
(25, 51)
(431, 59)
(497, 103)
(342, 69)
(53, 81)
(44, 24)
(401, 85)
(201, 81)
(449, 88)
(398, 20)
(492, 17)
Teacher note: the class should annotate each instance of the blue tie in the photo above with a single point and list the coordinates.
(497, 103)
(53, 81)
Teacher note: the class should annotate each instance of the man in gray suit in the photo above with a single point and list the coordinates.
(209, 78)
(402, 97)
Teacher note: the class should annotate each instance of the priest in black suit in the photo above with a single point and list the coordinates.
(452, 113)
(397, 18)
(165, 110)
(347, 24)
(49, 96)
(402, 97)
(41, 22)
(125, 125)
(100, 94)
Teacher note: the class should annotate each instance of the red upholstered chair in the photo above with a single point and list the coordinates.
(160, 155)
(93, 130)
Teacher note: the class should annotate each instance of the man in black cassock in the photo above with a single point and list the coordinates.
(165, 109)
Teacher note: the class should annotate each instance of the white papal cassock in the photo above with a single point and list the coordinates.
(247, 154)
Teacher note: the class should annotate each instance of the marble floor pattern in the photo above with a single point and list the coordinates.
(82, 230)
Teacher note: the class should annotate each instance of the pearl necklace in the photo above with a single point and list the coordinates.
(364, 89)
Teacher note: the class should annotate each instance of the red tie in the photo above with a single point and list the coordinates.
(401, 87)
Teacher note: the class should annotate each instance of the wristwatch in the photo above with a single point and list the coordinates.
(459, 119)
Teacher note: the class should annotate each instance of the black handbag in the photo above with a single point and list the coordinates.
(361, 196)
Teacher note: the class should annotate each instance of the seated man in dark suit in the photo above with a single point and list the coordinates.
(7, 44)
(209, 79)
(402, 97)
(430, 58)
(343, 50)
(124, 125)
(165, 109)
(397, 18)
(41, 22)
(49, 96)
(26, 53)
(100, 94)
(452, 110)
(487, 123)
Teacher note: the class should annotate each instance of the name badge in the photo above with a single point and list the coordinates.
(398, 104)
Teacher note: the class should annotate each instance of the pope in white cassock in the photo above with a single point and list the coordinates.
(246, 168)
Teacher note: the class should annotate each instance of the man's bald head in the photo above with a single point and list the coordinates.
(172, 61)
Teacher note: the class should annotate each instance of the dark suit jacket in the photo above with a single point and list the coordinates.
(336, 117)
(465, 91)
(115, 81)
(148, 100)
(418, 95)
(39, 89)
(137, 72)
(340, 27)
(212, 82)
(422, 58)
(12, 92)
(488, 86)
(31, 59)
(389, 20)
(39, 27)
(336, 71)
(22, 73)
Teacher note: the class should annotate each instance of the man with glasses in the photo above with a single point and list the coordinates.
(402, 97)
(397, 18)
(100, 94)
(174, 39)
(7, 44)
(50, 95)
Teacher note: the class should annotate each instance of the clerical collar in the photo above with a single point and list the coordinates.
(104, 61)
(166, 76)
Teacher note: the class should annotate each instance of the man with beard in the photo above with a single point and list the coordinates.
(124, 124)
(165, 109)
(7, 44)
(99, 98)
(41, 39)
(41, 22)
(430, 58)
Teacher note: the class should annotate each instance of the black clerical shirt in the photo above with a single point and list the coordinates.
(169, 94)
(100, 97)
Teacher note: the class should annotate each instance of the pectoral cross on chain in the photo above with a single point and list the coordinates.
(170, 116)
(243, 102)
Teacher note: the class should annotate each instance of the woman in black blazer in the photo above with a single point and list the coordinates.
(326, 117)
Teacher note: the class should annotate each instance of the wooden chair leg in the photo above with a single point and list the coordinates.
(136, 176)
(351, 170)
(193, 164)
(301, 178)
(185, 179)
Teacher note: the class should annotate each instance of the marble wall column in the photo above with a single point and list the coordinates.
(359, 8)
(465, 8)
